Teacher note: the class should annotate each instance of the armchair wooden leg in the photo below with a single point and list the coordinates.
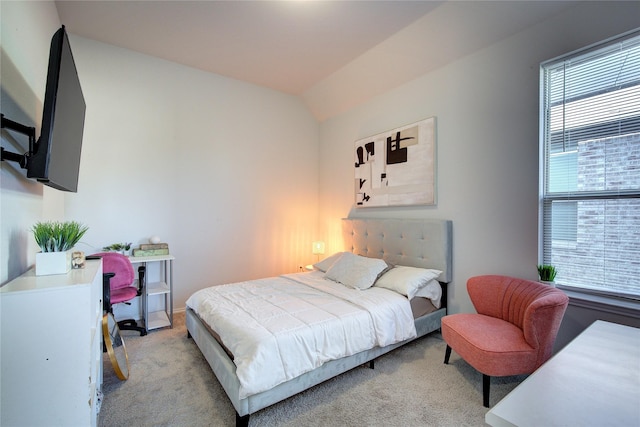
(447, 355)
(486, 385)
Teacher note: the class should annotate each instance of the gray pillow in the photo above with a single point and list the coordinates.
(356, 271)
(327, 262)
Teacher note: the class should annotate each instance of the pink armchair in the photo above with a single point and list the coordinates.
(513, 331)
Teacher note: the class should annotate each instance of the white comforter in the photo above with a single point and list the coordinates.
(282, 327)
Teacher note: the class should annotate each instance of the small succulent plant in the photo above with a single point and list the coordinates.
(547, 272)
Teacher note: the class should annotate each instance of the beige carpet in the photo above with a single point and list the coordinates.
(171, 385)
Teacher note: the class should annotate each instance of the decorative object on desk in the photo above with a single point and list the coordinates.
(77, 259)
(317, 248)
(115, 346)
(56, 239)
(49, 263)
(122, 248)
(154, 240)
(152, 246)
(397, 167)
(151, 249)
(547, 274)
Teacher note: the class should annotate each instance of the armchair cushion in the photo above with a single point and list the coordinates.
(492, 346)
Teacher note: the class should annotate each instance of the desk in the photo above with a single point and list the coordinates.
(162, 288)
(593, 381)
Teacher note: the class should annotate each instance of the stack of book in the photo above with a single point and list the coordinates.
(152, 249)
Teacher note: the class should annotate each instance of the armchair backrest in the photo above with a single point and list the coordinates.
(535, 308)
(113, 262)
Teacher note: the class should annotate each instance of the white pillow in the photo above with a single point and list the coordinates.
(432, 291)
(356, 271)
(327, 262)
(407, 280)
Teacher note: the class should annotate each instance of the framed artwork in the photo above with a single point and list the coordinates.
(397, 167)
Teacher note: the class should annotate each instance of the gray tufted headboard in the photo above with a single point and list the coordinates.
(424, 243)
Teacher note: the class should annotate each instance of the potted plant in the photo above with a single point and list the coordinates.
(122, 248)
(547, 274)
(56, 239)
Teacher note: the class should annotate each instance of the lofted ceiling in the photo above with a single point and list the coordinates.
(334, 54)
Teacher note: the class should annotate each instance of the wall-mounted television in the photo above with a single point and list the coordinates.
(54, 159)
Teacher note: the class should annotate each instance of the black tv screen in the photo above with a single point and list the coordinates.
(56, 158)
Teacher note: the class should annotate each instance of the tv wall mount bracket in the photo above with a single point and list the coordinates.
(21, 159)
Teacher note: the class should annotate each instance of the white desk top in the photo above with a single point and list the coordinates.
(593, 381)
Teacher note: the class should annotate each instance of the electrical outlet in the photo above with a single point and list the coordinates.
(300, 268)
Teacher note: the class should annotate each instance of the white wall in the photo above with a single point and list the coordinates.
(224, 171)
(486, 106)
(26, 28)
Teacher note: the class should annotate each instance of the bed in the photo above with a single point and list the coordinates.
(420, 243)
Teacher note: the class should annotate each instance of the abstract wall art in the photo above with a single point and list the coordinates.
(397, 167)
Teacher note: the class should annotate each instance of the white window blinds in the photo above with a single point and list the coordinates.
(590, 121)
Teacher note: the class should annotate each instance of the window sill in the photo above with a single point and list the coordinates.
(604, 303)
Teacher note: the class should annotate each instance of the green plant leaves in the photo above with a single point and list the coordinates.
(547, 272)
(56, 236)
(117, 247)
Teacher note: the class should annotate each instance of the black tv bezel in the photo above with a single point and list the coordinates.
(39, 163)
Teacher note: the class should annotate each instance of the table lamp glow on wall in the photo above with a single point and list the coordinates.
(317, 249)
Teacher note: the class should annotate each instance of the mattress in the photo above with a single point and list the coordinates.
(279, 328)
(421, 306)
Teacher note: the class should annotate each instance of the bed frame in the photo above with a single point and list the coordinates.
(423, 243)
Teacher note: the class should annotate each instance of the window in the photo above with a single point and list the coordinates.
(590, 168)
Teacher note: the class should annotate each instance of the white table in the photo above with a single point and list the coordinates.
(593, 381)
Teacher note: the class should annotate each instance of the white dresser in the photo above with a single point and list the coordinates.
(51, 348)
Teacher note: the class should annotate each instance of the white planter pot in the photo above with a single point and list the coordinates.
(552, 284)
(48, 263)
